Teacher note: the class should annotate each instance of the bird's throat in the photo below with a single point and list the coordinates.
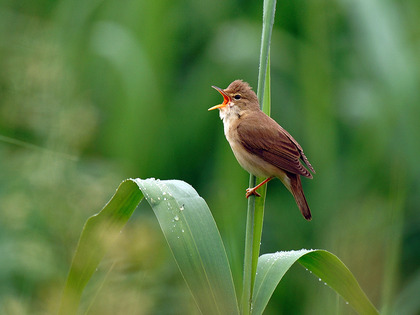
(230, 118)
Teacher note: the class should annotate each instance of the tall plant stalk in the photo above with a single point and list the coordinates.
(255, 212)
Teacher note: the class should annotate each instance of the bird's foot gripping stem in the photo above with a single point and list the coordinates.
(253, 191)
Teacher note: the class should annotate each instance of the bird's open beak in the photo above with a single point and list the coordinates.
(226, 98)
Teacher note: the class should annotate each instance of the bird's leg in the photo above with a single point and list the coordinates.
(253, 191)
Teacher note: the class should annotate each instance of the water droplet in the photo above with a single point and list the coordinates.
(325, 283)
(164, 193)
(176, 218)
(181, 208)
(347, 303)
(158, 198)
(164, 198)
(182, 230)
(319, 279)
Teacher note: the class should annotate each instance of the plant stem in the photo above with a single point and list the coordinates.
(249, 248)
(255, 212)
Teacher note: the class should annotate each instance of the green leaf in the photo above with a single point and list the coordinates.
(99, 232)
(194, 239)
(330, 269)
(188, 227)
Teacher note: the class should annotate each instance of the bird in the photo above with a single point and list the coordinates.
(261, 146)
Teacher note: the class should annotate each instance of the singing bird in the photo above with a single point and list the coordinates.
(261, 146)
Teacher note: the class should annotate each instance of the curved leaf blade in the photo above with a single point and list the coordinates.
(189, 228)
(334, 272)
(328, 267)
(97, 235)
(195, 242)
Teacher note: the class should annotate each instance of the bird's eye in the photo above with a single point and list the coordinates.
(237, 97)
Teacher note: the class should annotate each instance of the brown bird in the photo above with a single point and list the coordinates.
(262, 146)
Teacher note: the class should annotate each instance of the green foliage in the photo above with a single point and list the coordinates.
(195, 242)
(189, 229)
(196, 245)
(98, 233)
(92, 92)
(329, 269)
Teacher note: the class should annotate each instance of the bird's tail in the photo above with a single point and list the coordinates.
(297, 191)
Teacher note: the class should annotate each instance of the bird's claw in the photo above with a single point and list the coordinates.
(251, 191)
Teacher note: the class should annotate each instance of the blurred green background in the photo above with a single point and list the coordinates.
(93, 92)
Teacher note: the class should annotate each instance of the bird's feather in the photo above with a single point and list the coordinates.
(262, 136)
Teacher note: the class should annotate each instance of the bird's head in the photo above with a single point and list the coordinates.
(238, 98)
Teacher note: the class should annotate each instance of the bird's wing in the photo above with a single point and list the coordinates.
(302, 155)
(274, 145)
